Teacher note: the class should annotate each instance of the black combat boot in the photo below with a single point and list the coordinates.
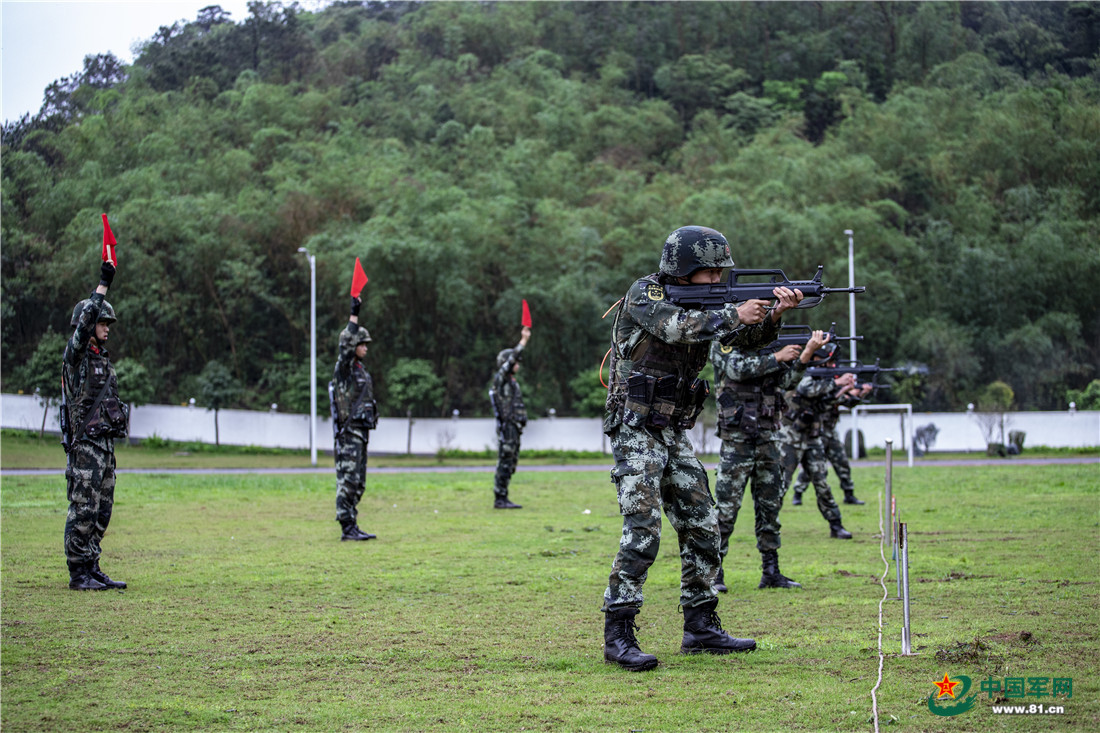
(81, 579)
(102, 577)
(703, 632)
(797, 500)
(837, 532)
(771, 577)
(620, 646)
(850, 497)
(352, 533)
(505, 504)
(719, 583)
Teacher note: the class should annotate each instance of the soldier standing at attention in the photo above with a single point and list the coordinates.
(355, 414)
(834, 446)
(511, 415)
(803, 441)
(93, 416)
(657, 351)
(750, 389)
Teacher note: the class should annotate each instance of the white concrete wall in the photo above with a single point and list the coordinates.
(958, 431)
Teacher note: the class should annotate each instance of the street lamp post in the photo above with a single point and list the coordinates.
(312, 356)
(851, 296)
(852, 329)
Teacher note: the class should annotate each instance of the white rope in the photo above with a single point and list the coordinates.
(882, 582)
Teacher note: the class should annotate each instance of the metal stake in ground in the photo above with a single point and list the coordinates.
(903, 566)
(890, 492)
(894, 519)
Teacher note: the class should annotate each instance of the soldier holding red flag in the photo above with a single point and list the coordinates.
(92, 416)
(354, 415)
(511, 414)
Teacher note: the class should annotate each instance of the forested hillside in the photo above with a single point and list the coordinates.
(475, 154)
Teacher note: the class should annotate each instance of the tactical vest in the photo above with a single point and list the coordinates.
(831, 417)
(750, 407)
(805, 413)
(112, 417)
(352, 399)
(656, 384)
(507, 400)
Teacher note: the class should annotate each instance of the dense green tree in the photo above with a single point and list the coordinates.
(135, 383)
(414, 387)
(41, 375)
(217, 390)
(476, 154)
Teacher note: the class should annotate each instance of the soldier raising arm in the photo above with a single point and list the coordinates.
(355, 415)
(511, 416)
(94, 416)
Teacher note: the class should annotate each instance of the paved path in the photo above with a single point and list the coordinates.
(1094, 460)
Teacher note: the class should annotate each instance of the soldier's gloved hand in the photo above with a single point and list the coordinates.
(355, 303)
(106, 274)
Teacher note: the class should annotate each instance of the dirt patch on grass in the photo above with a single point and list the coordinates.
(977, 653)
(1015, 638)
(952, 576)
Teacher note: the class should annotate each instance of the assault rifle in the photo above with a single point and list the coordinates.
(711, 296)
(864, 372)
(800, 335)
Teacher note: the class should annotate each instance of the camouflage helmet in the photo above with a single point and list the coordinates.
(694, 248)
(106, 312)
(505, 355)
(361, 336)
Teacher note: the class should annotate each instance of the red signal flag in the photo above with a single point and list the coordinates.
(109, 243)
(358, 279)
(526, 315)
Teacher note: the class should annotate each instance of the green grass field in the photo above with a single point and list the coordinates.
(245, 612)
(21, 449)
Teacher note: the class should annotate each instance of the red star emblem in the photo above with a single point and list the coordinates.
(947, 687)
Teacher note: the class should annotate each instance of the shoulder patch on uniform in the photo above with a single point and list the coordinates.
(655, 292)
(725, 349)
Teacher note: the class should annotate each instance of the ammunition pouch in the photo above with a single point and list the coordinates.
(658, 402)
(696, 399)
(112, 420)
(805, 421)
(731, 414)
(730, 411)
(639, 396)
(365, 413)
(663, 406)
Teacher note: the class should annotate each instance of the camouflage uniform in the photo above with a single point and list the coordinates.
(353, 396)
(802, 438)
(750, 407)
(511, 416)
(90, 466)
(658, 350)
(833, 446)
